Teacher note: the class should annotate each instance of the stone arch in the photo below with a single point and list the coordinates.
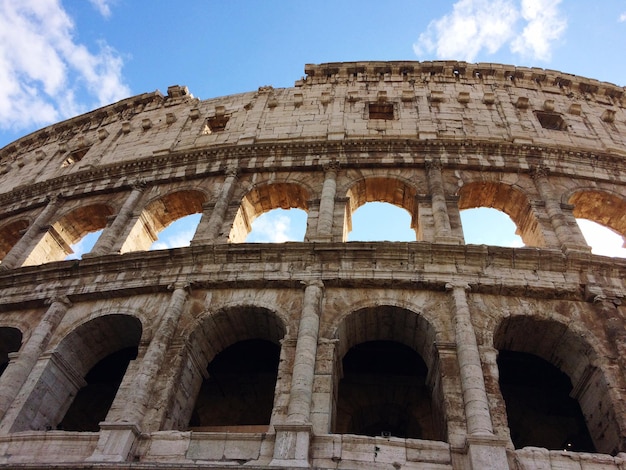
(393, 190)
(570, 351)
(263, 198)
(218, 340)
(68, 229)
(10, 342)
(10, 234)
(159, 213)
(65, 373)
(400, 333)
(603, 207)
(506, 198)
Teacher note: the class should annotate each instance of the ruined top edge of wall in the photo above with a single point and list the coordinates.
(129, 105)
(451, 70)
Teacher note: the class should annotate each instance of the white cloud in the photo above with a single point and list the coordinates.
(622, 17)
(178, 234)
(477, 26)
(102, 6)
(43, 69)
(544, 26)
(271, 228)
(173, 240)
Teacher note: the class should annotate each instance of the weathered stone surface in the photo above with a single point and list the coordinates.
(433, 138)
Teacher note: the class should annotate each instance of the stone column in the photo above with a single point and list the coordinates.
(117, 436)
(484, 449)
(567, 232)
(292, 438)
(327, 203)
(443, 232)
(18, 370)
(207, 232)
(111, 235)
(20, 251)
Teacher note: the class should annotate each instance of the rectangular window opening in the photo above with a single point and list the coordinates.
(217, 123)
(381, 111)
(552, 121)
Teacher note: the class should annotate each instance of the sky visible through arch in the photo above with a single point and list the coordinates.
(62, 58)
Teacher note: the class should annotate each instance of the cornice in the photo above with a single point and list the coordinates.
(458, 71)
(400, 265)
(454, 154)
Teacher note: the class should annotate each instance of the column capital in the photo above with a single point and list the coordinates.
(139, 184)
(63, 299)
(332, 167)
(184, 285)
(458, 285)
(232, 171)
(539, 171)
(312, 282)
(54, 198)
(433, 164)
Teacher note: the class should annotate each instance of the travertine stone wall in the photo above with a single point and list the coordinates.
(433, 138)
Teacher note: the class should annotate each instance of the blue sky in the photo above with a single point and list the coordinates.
(61, 58)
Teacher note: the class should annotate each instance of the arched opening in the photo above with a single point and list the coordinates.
(278, 226)
(10, 341)
(57, 243)
(264, 199)
(383, 392)
(487, 226)
(602, 240)
(178, 234)
(159, 214)
(239, 390)
(504, 198)
(394, 226)
(87, 366)
(539, 341)
(540, 410)
(378, 221)
(607, 210)
(231, 372)
(382, 383)
(93, 400)
(84, 245)
(10, 234)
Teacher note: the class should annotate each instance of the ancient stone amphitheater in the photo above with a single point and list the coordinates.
(432, 354)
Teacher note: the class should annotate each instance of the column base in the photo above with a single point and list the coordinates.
(115, 443)
(291, 448)
(450, 240)
(487, 452)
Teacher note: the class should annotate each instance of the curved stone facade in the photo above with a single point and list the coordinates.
(324, 353)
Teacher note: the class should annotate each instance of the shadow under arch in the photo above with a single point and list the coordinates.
(56, 244)
(504, 197)
(380, 189)
(10, 234)
(235, 354)
(64, 376)
(558, 345)
(602, 207)
(391, 350)
(10, 342)
(264, 198)
(159, 213)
